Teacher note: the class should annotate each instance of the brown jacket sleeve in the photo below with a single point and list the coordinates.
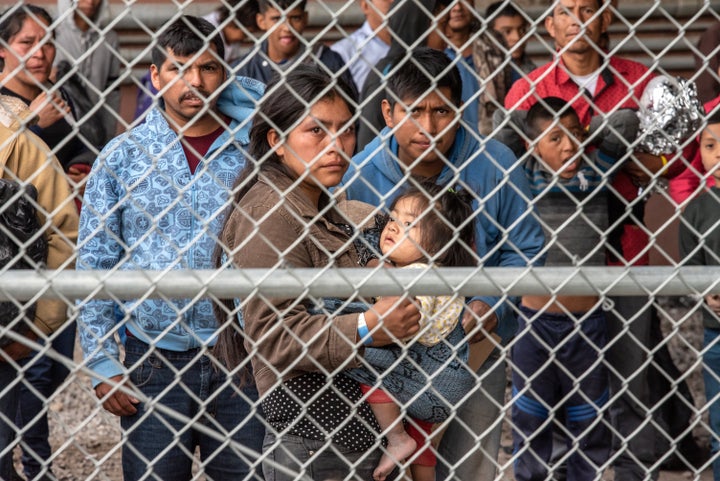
(287, 338)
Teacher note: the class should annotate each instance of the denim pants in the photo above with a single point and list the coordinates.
(711, 376)
(45, 375)
(309, 459)
(9, 388)
(159, 446)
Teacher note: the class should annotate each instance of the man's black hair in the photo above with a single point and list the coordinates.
(187, 36)
(424, 71)
(244, 13)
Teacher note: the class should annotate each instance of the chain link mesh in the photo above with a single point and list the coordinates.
(658, 364)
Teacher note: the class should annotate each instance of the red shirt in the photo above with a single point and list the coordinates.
(195, 148)
(686, 184)
(620, 85)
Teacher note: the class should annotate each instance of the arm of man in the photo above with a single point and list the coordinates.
(522, 245)
(520, 96)
(100, 248)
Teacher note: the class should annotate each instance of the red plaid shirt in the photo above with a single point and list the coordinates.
(620, 85)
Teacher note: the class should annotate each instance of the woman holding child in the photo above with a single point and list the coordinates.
(285, 216)
(301, 142)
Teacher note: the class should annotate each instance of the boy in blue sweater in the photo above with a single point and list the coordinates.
(424, 141)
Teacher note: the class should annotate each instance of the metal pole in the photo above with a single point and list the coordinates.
(230, 283)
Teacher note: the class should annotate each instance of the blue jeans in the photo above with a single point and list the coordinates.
(8, 408)
(711, 376)
(160, 446)
(316, 460)
(45, 375)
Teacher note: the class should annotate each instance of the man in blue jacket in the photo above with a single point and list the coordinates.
(154, 201)
(424, 141)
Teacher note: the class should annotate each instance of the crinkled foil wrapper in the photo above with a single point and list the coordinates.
(670, 113)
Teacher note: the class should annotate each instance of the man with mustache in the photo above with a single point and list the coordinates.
(154, 202)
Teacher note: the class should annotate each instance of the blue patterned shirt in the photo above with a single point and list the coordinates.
(144, 209)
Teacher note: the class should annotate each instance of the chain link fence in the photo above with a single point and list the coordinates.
(601, 365)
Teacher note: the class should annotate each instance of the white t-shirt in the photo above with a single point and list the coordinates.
(587, 82)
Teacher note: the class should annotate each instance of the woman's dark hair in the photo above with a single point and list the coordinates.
(186, 36)
(288, 98)
(12, 19)
(446, 219)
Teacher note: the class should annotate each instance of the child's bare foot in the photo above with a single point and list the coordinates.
(399, 447)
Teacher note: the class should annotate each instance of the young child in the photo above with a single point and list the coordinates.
(237, 23)
(284, 21)
(556, 355)
(700, 246)
(427, 226)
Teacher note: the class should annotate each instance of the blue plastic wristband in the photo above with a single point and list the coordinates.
(363, 331)
(364, 334)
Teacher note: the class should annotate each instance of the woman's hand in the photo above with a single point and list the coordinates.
(478, 311)
(398, 317)
(49, 108)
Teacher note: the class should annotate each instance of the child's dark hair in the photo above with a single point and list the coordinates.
(502, 9)
(287, 100)
(187, 36)
(546, 109)
(12, 19)
(244, 13)
(264, 5)
(713, 118)
(445, 217)
(422, 72)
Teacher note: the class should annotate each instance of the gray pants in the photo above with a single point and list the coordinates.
(629, 357)
(469, 448)
(315, 460)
